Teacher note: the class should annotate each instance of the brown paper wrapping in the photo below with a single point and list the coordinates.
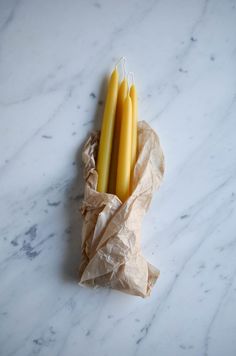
(111, 251)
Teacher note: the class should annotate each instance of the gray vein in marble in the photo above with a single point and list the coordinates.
(9, 19)
(216, 313)
(198, 206)
(39, 89)
(209, 233)
(52, 117)
(189, 229)
(182, 57)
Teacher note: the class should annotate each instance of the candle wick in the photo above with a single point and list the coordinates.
(122, 61)
(131, 74)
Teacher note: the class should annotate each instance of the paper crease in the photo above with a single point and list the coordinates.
(111, 251)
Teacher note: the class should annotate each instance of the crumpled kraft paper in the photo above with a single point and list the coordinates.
(111, 251)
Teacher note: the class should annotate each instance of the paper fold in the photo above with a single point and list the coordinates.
(111, 251)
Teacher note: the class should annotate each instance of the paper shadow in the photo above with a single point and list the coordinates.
(74, 198)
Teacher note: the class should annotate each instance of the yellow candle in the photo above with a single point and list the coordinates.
(124, 155)
(122, 93)
(133, 95)
(106, 137)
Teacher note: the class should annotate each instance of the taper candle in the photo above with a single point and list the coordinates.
(124, 155)
(133, 95)
(107, 131)
(122, 93)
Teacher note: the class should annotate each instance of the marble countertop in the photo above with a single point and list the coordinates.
(54, 56)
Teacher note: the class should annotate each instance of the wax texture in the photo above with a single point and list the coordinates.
(133, 95)
(122, 93)
(124, 155)
(107, 132)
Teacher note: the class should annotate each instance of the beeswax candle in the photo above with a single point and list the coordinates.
(124, 155)
(133, 95)
(122, 93)
(107, 131)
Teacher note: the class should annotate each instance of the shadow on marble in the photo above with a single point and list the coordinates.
(74, 196)
(101, 95)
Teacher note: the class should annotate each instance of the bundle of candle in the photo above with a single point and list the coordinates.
(124, 164)
(118, 141)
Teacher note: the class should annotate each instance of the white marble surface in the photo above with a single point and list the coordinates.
(53, 58)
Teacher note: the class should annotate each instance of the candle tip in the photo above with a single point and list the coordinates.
(123, 61)
(131, 74)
